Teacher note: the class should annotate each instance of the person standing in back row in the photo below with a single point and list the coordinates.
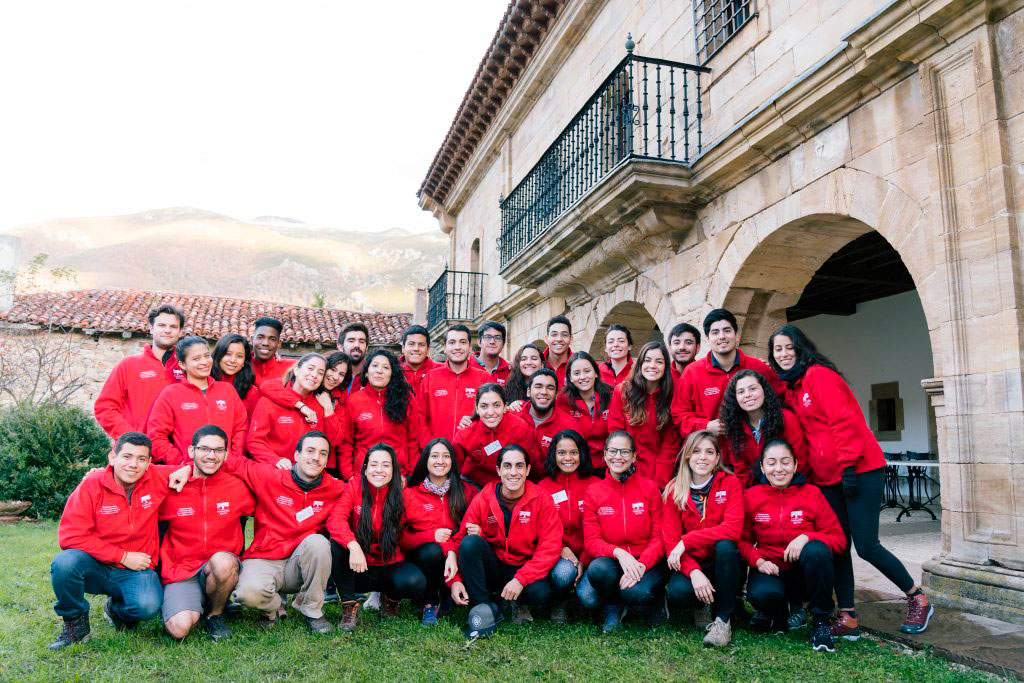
(683, 344)
(415, 359)
(266, 342)
(448, 393)
(618, 364)
(492, 341)
(559, 341)
(354, 340)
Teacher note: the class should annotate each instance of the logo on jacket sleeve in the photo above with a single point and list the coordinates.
(638, 508)
(190, 406)
(712, 391)
(147, 374)
(147, 501)
(806, 399)
(222, 404)
(524, 516)
(720, 496)
(224, 507)
(762, 517)
(796, 517)
(185, 512)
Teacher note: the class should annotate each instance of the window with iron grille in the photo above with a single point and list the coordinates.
(716, 21)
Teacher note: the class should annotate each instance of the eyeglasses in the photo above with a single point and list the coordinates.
(491, 338)
(206, 450)
(624, 452)
(561, 453)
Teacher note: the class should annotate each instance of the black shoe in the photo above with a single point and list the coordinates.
(233, 609)
(821, 637)
(117, 622)
(267, 622)
(217, 627)
(319, 625)
(76, 630)
(797, 619)
(760, 621)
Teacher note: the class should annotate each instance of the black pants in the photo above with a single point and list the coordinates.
(430, 559)
(604, 574)
(397, 581)
(859, 518)
(814, 574)
(484, 574)
(724, 570)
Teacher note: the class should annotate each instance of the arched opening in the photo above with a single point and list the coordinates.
(634, 316)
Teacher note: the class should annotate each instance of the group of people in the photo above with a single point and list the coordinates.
(551, 482)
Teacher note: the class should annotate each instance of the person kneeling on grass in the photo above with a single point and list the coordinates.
(199, 555)
(509, 540)
(108, 539)
(365, 527)
(789, 537)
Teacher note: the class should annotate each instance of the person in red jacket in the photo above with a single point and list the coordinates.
(847, 463)
(415, 359)
(365, 527)
(337, 374)
(567, 479)
(618, 364)
(699, 394)
(492, 428)
(491, 335)
(266, 342)
(789, 536)
(200, 400)
(380, 412)
(128, 394)
(586, 398)
(683, 344)
(354, 340)
(527, 361)
(108, 540)
(543, 418)
(642, 407)
(199, 554)
(752, 414)
(509, 540)
(622, 533)
(232, 363)
(288, 554)
(701, 525)
(436, 499)
(559, 342)
(448, 393)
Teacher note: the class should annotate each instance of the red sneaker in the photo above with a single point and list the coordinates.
(919, 613)
(845, 626)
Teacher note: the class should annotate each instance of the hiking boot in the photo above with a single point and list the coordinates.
(702, 617)
(559, 613)
(75, 630)
(797, 619)
(845, 626)
(429, 616)
(719, 633)
(388, 607)
(372, 602)
(349, 616)
(919, 613)
(319, 625)
(611, 619)
(821, 637)
(760, 621)
(521, 615)
(268, 620)
(117, 622)
(217, 627)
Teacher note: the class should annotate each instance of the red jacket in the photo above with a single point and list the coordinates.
(698, 395)
(500, 374)
(774, 517)
(182, 408)
(203, 520)
(275, 368)
(128, 394)
(534, 539)
(722, 521)
(368, 424)
(593, 428)
(623, 515)
(344, 520)
(561, 369)
(285, 514)
(610, 377)
(567, 492)
(837, 434)
(656, 449)
(543, 434)
(274, 430)
(425, 513)
(100, 519)
(252, 397)
(414, 377)
(743, 461)
(445, 398)
(476, 447)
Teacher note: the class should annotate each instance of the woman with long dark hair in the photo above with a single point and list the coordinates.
(365, 528)
(477, 446)
(381, 412)
(642, 406)
(585, 398)
(528, 360)
(232, 362)
(618, 364)
(752, 415)
(847, 463)
(436, 498)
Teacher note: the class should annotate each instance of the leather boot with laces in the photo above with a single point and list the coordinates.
(349, 616)
(75, 630)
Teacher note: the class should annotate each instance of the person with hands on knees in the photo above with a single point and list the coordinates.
(492, 428)
(365, 527)
(436, 499)
(527, 361)
(622, 532)
(567, 479)
(509, 540)
(847, 464)
(109, 542)
(701, 524)
(789, 536)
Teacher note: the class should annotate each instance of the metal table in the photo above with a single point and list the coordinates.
(917, 476)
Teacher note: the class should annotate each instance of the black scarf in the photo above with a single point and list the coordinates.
(793, 374)
(306, 486)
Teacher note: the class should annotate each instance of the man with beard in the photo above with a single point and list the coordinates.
(448, 393)
(683, 345)
(354, 340)
(266, 341)
(543, 418)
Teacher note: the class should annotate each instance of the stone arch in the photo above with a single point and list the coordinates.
(633, 315)
(636, 298)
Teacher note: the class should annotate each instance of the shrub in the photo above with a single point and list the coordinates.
(45, 449)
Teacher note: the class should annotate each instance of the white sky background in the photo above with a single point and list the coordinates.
(327, 112)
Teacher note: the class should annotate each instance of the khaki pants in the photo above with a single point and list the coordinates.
(305, 573)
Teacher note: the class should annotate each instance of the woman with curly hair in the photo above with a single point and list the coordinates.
(753, 415)
(381, 412)
(528, 360)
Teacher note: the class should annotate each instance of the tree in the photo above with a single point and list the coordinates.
(318, 299)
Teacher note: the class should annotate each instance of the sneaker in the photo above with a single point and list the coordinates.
(217, 627)
(611, 619)
(388, 607)
(658, 614)
(821, 637)
(797, 620)
(919, 613)
(845, 626)
(429, 616)
(760, 621)
(702, 617)
(559, 613)
(349, 616)
(75, 630)
(719, 633)
(372, 603)
(117, 622)
(521, 615)
(319, 625)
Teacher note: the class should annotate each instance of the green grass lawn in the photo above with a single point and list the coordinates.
(400, 649)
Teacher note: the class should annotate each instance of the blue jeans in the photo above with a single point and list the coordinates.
(603, 576)
(73, 573)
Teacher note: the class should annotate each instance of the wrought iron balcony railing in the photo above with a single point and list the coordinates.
(455, 295)
(645, 109)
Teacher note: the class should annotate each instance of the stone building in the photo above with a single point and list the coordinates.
(104, 326)
(856, 166)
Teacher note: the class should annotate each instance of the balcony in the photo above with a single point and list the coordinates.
(627, 151)
(455, 295)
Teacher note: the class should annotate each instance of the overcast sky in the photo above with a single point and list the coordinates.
(327, 111)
